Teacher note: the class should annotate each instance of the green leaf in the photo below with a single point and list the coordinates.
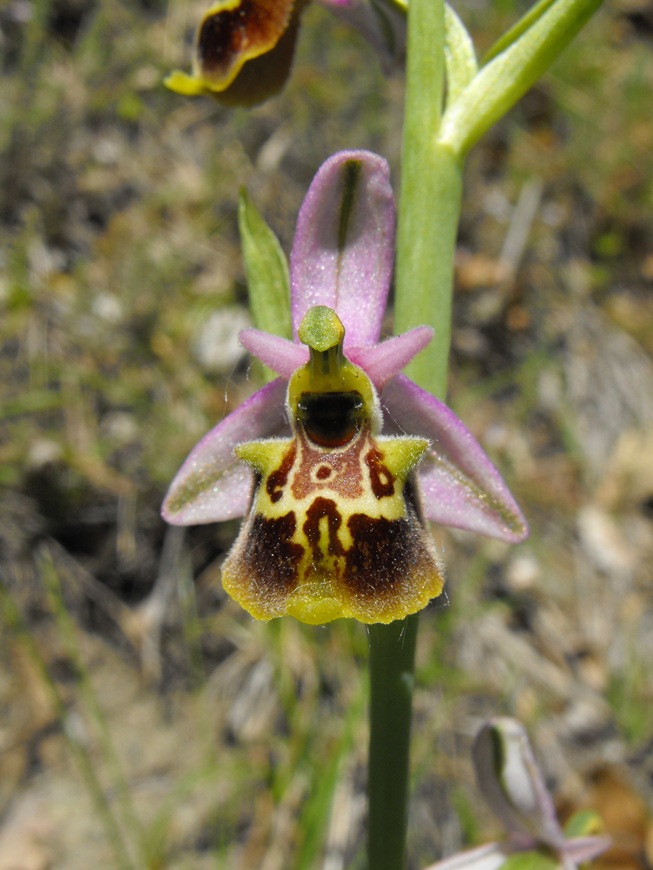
(266, 269)
(529, 52)
(512, 35)
(459, 55)
(584, 823)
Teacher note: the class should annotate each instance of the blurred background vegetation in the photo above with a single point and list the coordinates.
(145, 721)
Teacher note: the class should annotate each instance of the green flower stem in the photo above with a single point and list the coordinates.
(429, 208)
(429, 211)
(434, 146)
(392, 664)
(429, 205)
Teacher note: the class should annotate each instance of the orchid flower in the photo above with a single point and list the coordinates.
(511, 781)
(244, 48)
(338, 463)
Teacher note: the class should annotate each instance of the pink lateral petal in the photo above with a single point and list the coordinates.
(213, 485)
(279, 354)
(460, 486)
(343, 251)
(383, 361)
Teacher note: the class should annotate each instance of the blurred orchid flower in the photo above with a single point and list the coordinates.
(244, 48)
(349, 455)
(511, 782)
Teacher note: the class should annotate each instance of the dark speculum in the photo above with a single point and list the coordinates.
(330, 419)
(224, 35)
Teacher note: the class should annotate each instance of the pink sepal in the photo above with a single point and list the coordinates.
(212, 486)
(343, 251)
(459, 484)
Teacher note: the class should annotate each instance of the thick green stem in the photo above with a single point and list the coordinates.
(429, 211)
(392, 662)
(429, 205)
(431, 191)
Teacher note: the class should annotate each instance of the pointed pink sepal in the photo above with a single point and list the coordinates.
(212, 486)
(460, 486)
(282, 356)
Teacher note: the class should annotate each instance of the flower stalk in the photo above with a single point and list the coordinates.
(437, 135)
(431, 184)
(392, 665)
(429, 204)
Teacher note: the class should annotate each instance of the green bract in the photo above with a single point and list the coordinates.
(512, 66)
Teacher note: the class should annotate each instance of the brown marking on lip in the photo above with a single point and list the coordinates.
(279, 477)
(378, 558)
(390, 561)
(382, 480)
(272, 556)
(319, 509)
(262, 569)
(344, 481)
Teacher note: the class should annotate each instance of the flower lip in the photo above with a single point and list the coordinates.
(235, 31)
(333, 529)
